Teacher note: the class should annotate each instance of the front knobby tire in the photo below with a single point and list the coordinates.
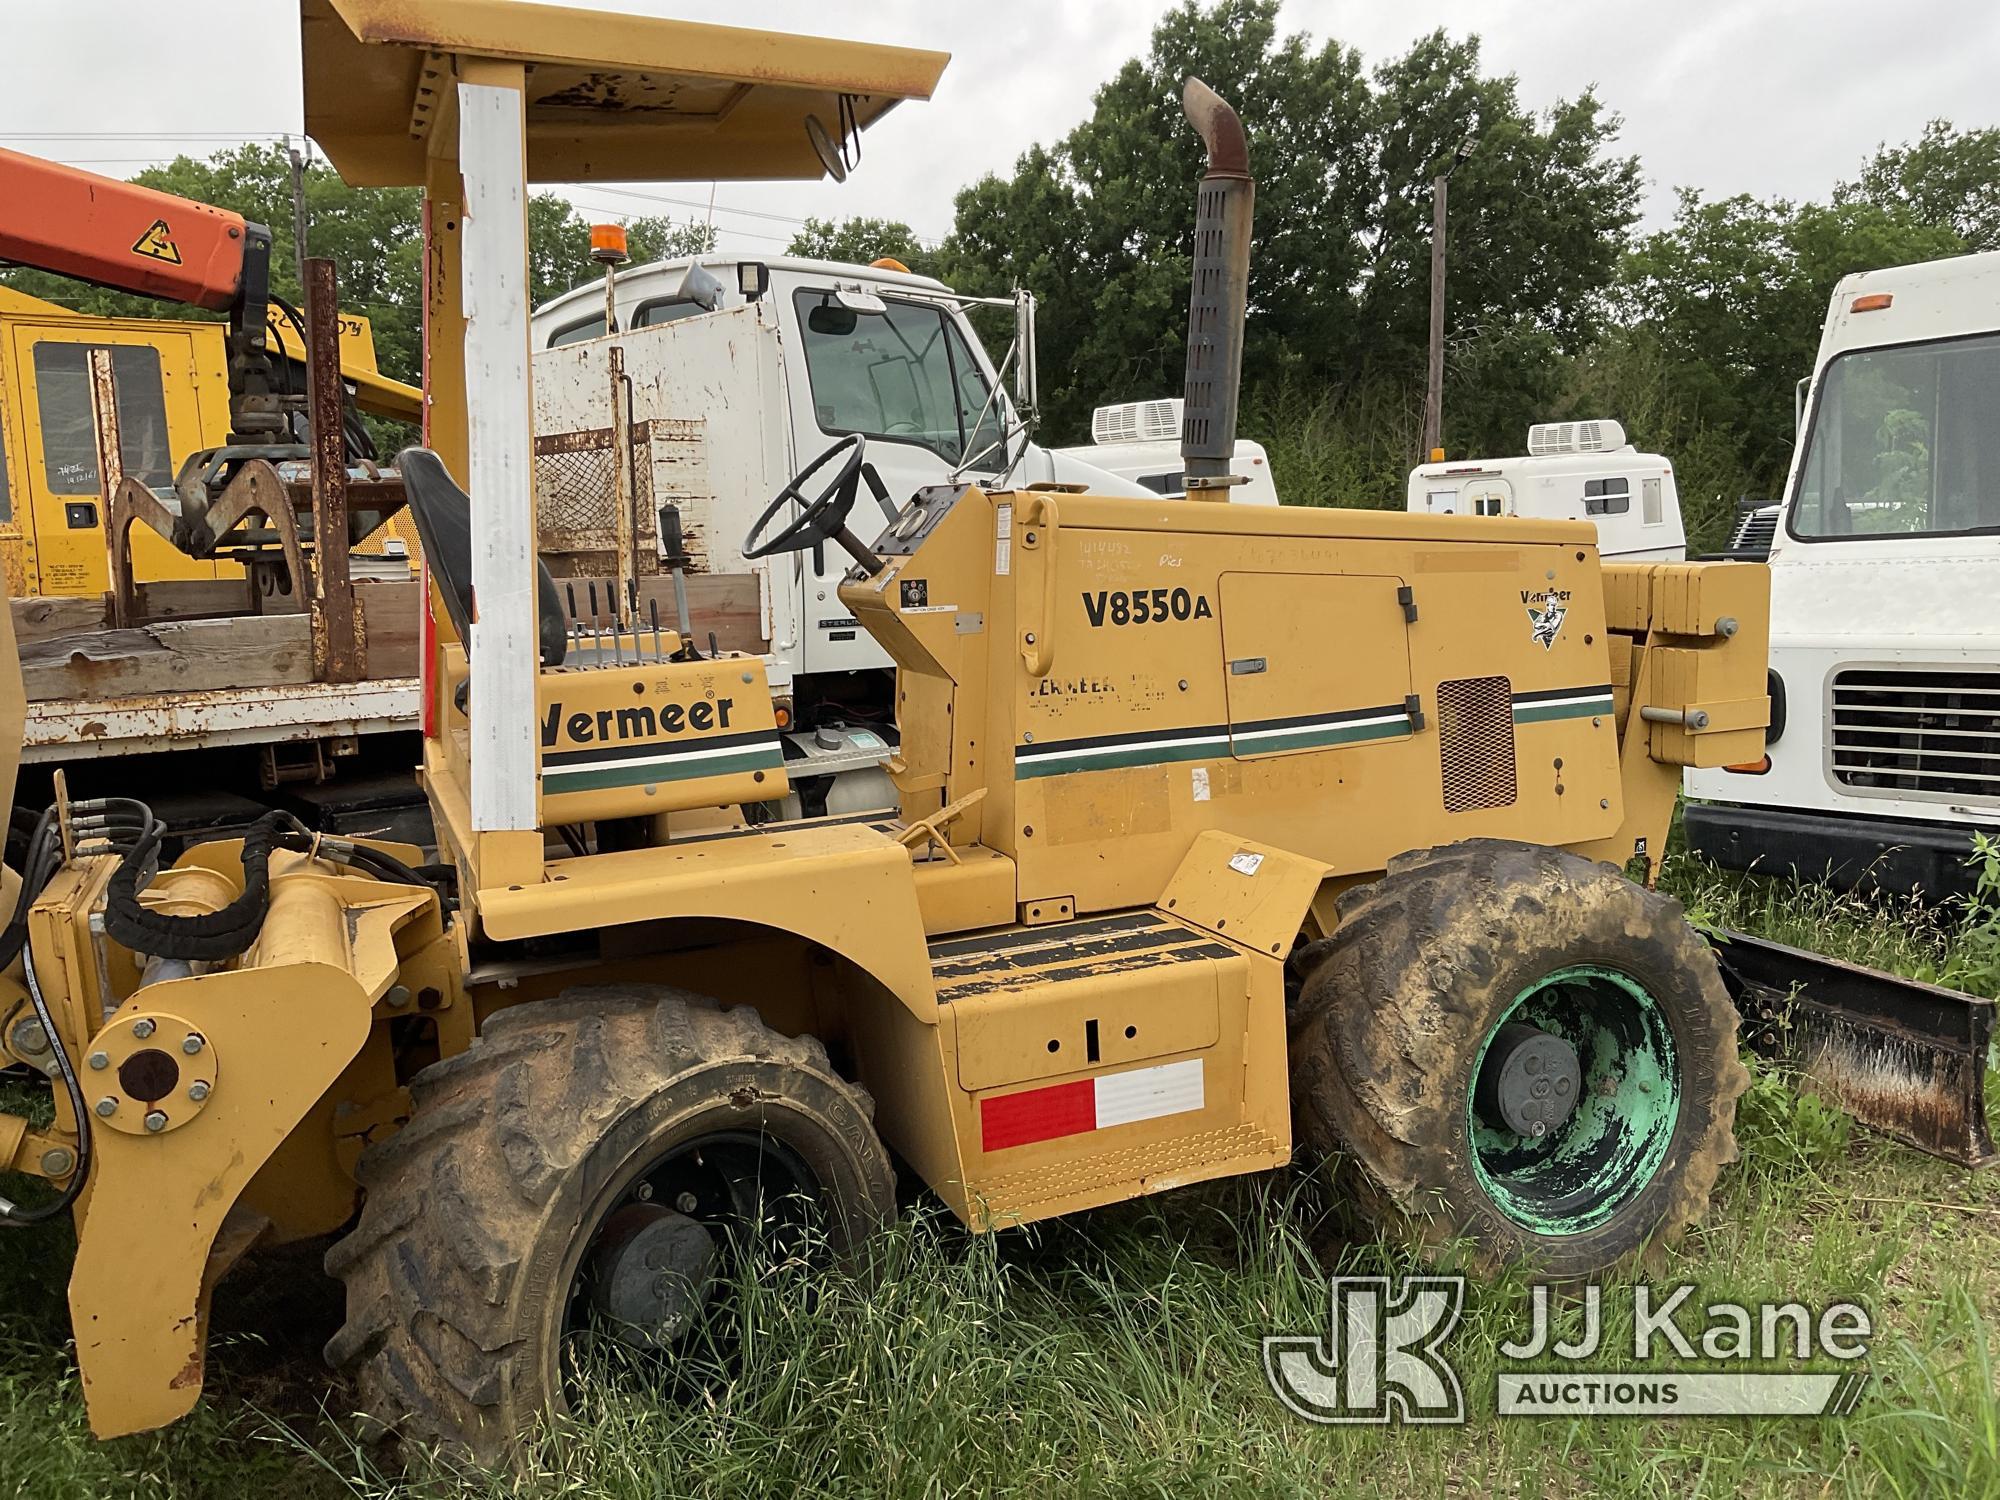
(1409, 1026)
(487, 1213)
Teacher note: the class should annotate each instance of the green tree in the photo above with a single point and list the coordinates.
(1099, 223)
(857, 241)
(1733, 294)
(658, 238)
(1946, 179)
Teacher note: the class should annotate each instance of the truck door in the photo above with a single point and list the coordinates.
(1313, 662)
(60, 504)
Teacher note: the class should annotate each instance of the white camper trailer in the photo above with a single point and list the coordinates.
(1140, 441)
(1579, 471)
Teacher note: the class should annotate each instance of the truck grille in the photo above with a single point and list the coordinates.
(1929, 731)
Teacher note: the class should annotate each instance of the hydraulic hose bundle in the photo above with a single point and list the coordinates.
(128, 827)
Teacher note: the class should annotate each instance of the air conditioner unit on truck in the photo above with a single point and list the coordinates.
(1884, 747)
(1574, 471)
(735, 373)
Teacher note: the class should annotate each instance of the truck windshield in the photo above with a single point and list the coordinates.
(1905, 441)
(904, 374)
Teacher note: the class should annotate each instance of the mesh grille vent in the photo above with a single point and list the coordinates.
(1476, 742)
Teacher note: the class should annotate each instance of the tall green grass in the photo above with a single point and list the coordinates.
(1118, 1353)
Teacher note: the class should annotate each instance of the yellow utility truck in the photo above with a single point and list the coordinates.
(1225, 835)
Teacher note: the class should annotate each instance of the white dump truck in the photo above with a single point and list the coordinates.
(1884, 746)
(1578, 471)
(732, 376)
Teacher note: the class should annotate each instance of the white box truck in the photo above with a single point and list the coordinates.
(1884, 747)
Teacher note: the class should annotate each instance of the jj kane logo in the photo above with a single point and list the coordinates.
(1383, 1357)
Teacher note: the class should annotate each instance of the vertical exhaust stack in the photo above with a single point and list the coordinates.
(1220, 295)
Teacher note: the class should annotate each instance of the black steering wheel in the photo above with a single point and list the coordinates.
(822, 518)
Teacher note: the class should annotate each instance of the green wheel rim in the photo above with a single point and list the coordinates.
(1611, 1147)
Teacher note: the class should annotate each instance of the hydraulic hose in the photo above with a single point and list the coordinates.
(36, 871)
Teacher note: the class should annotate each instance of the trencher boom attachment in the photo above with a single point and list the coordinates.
(1900, 1056)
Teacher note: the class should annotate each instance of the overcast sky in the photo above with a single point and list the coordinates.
(1770, 97)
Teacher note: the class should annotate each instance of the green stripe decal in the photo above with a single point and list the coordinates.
(1581, 708)
(603, 775)
(1217, 744)
(1215, 748)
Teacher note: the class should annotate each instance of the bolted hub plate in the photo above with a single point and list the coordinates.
(651, 1272)
(1530, 1081)
(147, 1065)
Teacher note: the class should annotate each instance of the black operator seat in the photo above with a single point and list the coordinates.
(443, 515)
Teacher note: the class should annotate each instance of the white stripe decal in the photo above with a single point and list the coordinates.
(1323, 725)
(1028, 752)
(1561, 702)
(611, 762)
(1149, 1093)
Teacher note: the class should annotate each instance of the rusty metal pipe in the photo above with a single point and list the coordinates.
(1219, 298)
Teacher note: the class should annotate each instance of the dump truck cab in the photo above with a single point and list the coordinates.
(736, 373)
(171, 395)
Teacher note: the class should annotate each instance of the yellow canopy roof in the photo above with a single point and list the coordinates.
(611, 98)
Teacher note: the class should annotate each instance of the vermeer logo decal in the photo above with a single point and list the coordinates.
(636, 722)
(1546, 612)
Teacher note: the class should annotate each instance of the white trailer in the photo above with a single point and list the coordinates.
(1884, 748)
(1574, 471)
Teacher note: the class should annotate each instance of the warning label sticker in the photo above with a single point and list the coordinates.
(157, 243)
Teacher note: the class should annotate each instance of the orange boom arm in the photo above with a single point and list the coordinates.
(118, 234)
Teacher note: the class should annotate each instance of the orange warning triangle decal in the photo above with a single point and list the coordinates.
(157, 243)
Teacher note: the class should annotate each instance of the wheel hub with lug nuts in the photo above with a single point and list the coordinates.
(1530, 1081)
(651, 1270)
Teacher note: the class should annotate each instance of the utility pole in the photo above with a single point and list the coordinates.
(298, 214)
(1434, 381)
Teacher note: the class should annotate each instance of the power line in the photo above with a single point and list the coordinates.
(703, 204)
(143, 135)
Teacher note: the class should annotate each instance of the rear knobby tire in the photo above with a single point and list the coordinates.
(478, 1212)
(1397, 1010)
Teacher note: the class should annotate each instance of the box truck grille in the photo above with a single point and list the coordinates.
(1931, 732)
(1476, 742)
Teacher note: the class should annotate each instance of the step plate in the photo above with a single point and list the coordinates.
(1113, 1176)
